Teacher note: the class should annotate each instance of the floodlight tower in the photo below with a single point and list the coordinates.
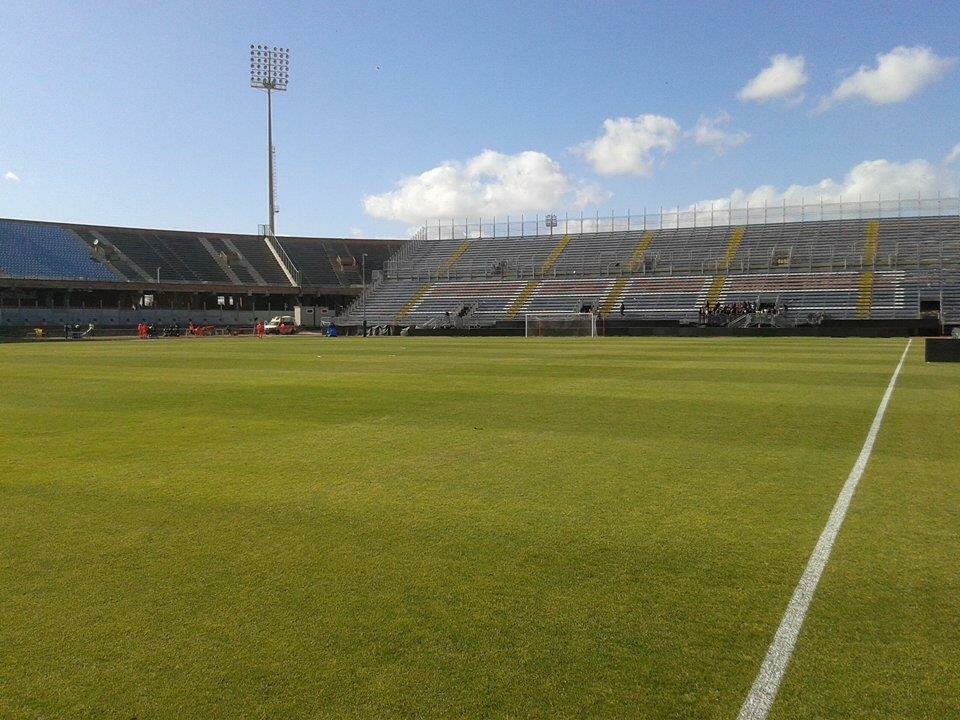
(270, 71)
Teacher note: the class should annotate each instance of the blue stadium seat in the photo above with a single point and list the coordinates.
(32, 250)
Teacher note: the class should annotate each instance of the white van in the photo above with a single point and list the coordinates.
(281, 325)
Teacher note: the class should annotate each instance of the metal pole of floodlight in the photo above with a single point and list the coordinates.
(270, 71)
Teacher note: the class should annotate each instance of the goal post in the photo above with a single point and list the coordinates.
(560, 325)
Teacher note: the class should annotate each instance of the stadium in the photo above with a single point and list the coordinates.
(698, 462)
(854, 269)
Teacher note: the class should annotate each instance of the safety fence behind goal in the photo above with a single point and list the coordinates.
(560, 325)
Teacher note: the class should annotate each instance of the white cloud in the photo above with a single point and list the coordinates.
(11, 176)
(587, 194)
(867, 180)
(711, 132)
(899, 75)
(953, 155)
(489, 184)
(628, 146)
(781, 80)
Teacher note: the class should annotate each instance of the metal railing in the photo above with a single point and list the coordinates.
(357, 306)
(692, 217)
(781, 256)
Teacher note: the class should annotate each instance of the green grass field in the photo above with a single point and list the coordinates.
(446, 528)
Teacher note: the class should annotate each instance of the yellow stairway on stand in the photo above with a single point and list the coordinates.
(713, 294)
(412, 302)
(716, 287)
(554, 254)
(425, 288)
(865, 296)
(521, 299)
(613, 296)
(637, 256)
(454, 257)
(865, 290)
(870, 238)
(732, 245)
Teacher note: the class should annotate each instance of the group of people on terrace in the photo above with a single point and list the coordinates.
(727, 311)
(149, 330)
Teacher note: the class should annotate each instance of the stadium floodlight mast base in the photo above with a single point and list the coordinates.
(270, 71)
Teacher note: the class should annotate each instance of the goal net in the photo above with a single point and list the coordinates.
(560, 325)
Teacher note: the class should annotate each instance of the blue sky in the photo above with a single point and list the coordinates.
(139, 113)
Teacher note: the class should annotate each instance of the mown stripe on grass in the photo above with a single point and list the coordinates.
(764, 691)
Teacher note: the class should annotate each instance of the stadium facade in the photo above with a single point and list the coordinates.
(859, 264)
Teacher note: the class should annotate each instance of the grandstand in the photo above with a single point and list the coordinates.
(56, 273)
(870, 268)
(864, 264)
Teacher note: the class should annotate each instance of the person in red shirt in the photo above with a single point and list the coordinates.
(259, 329)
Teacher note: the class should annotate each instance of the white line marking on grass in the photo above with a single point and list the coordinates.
(764, 691)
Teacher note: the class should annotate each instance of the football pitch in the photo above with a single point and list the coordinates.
(482, 528)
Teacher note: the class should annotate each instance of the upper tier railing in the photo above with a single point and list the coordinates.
(926, 243)
(699, 216)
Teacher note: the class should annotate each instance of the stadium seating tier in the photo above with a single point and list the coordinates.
(46, 251)
(845, 269)
(34, 250)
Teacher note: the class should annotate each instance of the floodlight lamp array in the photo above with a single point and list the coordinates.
(269, 67)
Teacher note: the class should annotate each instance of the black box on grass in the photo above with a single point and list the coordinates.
(942, 350)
